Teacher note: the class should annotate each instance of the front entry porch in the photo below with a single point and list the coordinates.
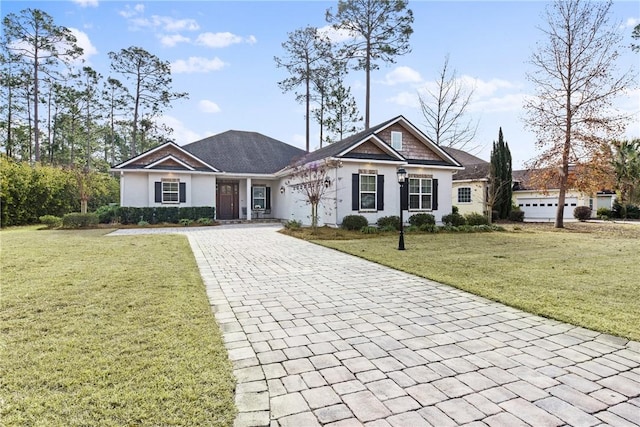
(243, 200)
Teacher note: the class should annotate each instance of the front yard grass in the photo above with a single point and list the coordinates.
(108, 331)
(587, 275)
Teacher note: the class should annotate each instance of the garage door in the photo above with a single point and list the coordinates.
(544, 208)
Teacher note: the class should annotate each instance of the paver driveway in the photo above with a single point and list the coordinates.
(318, 337)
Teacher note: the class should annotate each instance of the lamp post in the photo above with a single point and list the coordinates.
(402, 177)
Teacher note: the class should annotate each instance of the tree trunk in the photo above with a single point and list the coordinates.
(368, 84)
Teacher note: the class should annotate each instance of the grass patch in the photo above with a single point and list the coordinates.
(108, 331)
(586, 275)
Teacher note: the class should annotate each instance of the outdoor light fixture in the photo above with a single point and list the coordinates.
(402, 177)
(327, 182)
(282, 189)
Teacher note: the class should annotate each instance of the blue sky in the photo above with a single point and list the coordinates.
(222, 55)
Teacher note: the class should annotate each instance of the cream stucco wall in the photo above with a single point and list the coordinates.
(478, 197)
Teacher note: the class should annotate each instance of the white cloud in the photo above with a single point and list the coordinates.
(82, 40)
(174, 39)
(217, 40)
(207, 106)
(336, 36)
(170, 24)
(499, 104)
(405, 99)
(130, 12)
(181, 134)
(86, 3)
(197, 64)
(631, 23)
(402, 75)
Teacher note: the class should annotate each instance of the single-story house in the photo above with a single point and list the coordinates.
(470, 192)
(246, 175)
(541, 205)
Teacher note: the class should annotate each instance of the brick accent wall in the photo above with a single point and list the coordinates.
(412, 147)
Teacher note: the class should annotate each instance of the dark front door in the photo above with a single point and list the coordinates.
(227, 200)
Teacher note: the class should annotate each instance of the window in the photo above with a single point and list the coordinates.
(420, 193)
(170, 191)
(396, 140)
(368, 192)
(259, 198)
(464, 195)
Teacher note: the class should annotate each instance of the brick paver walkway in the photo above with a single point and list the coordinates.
(318, 337)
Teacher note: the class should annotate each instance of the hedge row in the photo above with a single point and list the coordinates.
(172, 215)
(28, 192)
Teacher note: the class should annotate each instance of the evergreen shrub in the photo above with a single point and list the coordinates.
(354, 222)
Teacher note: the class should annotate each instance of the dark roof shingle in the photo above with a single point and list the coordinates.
(244, 152)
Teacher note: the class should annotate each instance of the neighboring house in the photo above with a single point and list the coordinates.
(246, 175)
(470, 186)
(541, 205)
(470, 190)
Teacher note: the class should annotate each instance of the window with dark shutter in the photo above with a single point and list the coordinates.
(158, 185)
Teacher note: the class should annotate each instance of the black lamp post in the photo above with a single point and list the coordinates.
(402, 177)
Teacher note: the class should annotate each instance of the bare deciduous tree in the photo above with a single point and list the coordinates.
(445, 108)
(576, 81)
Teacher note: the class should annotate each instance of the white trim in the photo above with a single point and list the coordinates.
(169, 157)
(470, 180)
(163, 171)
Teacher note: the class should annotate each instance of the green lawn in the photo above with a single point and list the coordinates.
(587, 275)
(108, 331)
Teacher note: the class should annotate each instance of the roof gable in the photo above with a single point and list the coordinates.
(167, 156)
(419, 148)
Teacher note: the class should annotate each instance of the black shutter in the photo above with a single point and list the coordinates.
(404, 195)
(267, 203)
(252, 205)
(380, 188)
(183, 192)
(355, 192)
(434, 196)
(158, 192)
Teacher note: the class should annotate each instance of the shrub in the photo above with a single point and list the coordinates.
(603, 213)
(369, 229)
(495, 215)
(428, 228)
(454, 219)
(388, 229)
(204, 221)
(627, 211)
(292, 224)
(354, 222)
(582, 213)
(454, 209)
(516, 215)
(51, 221)
(186, 221)
(107, 214)
(389, 221)
(79, 220)
(128, 215)
(475, 218)
(421, 219)
(142, 223)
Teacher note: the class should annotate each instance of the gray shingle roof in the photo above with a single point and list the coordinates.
(244, 152)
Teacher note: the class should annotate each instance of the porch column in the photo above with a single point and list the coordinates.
(215, 196)
(249, 207)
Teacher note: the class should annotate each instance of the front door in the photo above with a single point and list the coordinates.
(227, 200)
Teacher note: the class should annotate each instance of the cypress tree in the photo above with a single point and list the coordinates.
(500, 176)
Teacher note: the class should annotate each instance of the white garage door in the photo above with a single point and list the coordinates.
(544, 208)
